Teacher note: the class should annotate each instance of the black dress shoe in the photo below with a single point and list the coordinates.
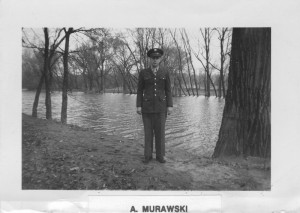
(147, 160)
(161, 160)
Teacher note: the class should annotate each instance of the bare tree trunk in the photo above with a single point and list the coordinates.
(223, 54)
(180, 65)
(127, 79)
(131, 83)
(205, 59)
(47, 76)
(221, 79)
(186, 88)
(180, 86)
(50, 74)
(188, 64)
(188, 49)
(126, 85)
(207, 83)
(177, 86)
(205, 80)
(64, 105)
(91, 83)
(102, 88)
(116, 80)
(37, 95)
(85, 81)
(175, 90)
(102, 67)
(219, 87)
(212, 83)
(223, 86)
(190, 77)
(99, 86)
(246, 123)
(199, 86)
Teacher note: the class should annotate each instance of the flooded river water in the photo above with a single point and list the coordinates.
(193, 126)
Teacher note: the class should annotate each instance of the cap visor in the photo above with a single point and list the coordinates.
(155, 55)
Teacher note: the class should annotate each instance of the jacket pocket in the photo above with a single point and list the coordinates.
(146, 98)
(162, 98)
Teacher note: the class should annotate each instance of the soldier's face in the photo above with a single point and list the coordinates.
(155, 61)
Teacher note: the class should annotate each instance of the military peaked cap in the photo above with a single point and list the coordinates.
(155, 52)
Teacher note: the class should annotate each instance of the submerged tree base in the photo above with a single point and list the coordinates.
(63, 157)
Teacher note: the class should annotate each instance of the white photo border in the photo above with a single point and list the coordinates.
(282, 16)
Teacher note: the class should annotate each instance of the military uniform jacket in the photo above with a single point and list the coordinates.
(154, 91)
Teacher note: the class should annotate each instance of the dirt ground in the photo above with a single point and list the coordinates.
(68, 157)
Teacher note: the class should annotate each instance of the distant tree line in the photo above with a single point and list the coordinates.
(103, 60)
(111, 60)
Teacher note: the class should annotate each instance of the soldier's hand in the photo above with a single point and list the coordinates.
(139, 110)
(169, 110)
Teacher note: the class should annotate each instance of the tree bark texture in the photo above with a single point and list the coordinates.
(246, 123)
(47, 76)
(64, 105)
(207, 58)
(223, 53)
(37, 96)
(212, 83)
(221, 79)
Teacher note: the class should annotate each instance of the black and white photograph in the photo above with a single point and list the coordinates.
(149, 106)
(146, 108)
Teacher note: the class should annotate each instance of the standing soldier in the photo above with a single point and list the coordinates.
(154, 102)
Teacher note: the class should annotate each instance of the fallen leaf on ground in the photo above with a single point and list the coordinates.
(74, 168)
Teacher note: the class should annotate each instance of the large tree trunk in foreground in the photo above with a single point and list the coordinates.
(246, 123)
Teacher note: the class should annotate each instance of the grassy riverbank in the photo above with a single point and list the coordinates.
(57, 156)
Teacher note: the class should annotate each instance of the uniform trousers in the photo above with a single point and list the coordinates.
(154, 125)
